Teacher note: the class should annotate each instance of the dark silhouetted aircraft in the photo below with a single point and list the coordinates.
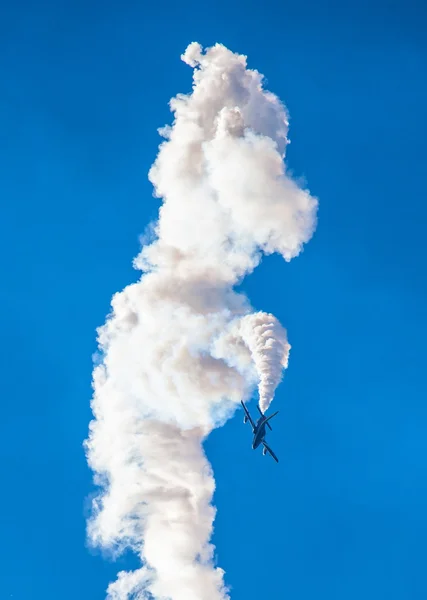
(258, 429)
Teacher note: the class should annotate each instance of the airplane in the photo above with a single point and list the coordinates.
(258, 429)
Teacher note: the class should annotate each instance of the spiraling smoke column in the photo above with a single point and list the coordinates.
(269, 347)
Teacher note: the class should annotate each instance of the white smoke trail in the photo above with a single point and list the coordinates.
(181, 347)
(267, 341)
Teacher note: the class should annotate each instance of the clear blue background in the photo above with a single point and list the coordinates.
(83, 87)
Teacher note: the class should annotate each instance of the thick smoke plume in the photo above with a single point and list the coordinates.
(181, 347)
(267, 341)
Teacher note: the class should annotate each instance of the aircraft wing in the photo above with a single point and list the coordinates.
(248, 415)
(270, 451)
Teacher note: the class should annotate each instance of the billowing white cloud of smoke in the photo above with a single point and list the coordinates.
(181, 348)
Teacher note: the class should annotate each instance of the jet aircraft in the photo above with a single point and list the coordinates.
(258, 429)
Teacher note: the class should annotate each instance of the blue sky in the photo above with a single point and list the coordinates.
(84, 87)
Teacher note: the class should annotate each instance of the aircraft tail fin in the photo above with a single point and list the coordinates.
(270, 417)
(262, 414)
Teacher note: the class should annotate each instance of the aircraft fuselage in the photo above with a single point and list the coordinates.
(259, 434)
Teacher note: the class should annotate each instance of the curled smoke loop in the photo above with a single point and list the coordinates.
(181, 347)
